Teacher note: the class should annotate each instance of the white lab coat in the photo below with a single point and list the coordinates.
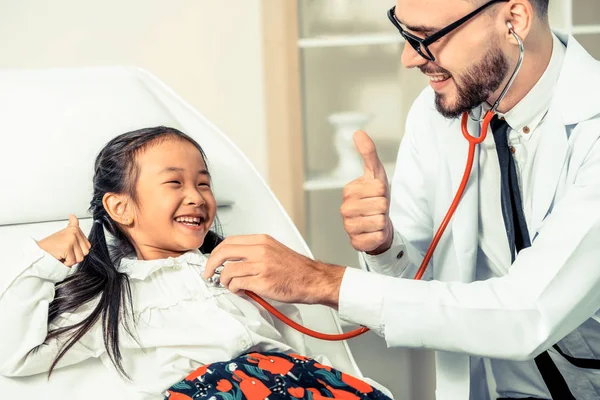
(553, 288)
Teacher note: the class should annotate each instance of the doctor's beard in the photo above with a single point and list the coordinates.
(474, 86)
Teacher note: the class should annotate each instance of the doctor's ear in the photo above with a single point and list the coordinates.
(119, 208)
(519, 17)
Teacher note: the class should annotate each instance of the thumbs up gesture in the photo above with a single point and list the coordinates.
(69, 246)
(366, 202)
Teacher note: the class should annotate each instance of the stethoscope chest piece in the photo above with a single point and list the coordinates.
(215, 280)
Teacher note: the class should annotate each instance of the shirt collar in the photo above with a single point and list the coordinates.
(527, 114)
(142, 269)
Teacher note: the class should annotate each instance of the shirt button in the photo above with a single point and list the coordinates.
(526, 130)
(243, 343)
(400, 255)
(513, 150)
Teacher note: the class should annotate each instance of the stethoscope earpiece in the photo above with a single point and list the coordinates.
(509, 25)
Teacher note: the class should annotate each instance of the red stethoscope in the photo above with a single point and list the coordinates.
(473, 142)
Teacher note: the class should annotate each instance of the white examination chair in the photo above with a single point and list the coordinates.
(53, 123)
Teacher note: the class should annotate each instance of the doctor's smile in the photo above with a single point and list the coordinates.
(438, 79)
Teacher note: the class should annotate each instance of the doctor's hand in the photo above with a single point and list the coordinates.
(366, 202)
(69, 246)
(266, 267)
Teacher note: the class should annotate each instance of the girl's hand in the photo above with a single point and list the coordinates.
(69, 246)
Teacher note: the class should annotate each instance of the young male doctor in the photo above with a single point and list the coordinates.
(515, 278)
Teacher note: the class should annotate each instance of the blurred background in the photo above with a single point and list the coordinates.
(288, 81)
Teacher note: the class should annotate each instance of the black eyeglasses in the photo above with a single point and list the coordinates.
(420, 45)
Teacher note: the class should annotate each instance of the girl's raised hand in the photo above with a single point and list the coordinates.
(69, 246)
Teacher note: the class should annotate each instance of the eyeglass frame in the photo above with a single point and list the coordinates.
(416, 42)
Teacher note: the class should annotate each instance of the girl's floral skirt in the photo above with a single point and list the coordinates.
(273, 376)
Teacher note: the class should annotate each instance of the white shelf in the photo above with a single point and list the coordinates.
(585, 29)
(325, 183)
(350, 40)
(329, 182)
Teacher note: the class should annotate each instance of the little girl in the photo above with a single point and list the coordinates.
(136, 298)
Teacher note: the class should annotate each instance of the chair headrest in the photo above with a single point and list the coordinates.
(54, 123)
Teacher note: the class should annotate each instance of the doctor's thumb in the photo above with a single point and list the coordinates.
(372, 164)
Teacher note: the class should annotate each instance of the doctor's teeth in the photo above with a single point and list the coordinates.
(438, 78)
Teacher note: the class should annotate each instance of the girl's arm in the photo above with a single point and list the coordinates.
(26, 290)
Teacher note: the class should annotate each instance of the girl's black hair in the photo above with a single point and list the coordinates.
(97, 276)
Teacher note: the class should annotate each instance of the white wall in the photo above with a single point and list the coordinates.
(208, 51)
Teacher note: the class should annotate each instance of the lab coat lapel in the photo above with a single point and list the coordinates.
(548, 165)
(578, 84)
(574, 101)
(464, 223)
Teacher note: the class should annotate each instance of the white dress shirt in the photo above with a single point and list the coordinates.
(181, 323)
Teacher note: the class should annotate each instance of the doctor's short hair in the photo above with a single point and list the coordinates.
(539, 6)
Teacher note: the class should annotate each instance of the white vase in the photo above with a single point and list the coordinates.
(350, 164)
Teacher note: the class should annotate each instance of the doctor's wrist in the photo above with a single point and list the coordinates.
(326, 288)
(387, 243)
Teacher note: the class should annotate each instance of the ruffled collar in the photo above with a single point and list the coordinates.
(142, 269)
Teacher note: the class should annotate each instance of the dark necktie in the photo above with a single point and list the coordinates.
(510, 195)
(518, 238)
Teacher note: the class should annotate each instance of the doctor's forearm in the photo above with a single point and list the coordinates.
(491, 318)
(438, 315)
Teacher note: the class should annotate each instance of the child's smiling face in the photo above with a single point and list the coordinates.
(174, 206)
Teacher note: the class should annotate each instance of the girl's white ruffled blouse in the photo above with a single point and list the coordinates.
(179, 322)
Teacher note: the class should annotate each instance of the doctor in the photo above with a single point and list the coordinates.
(513, 289)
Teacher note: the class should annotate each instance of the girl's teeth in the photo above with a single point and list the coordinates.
(188, 220)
